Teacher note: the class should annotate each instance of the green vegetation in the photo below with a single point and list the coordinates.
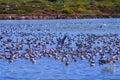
(59, 6)
(66, 10)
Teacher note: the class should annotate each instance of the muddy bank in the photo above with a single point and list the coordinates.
(55, 16)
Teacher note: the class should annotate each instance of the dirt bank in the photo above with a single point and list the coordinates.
(55, 16)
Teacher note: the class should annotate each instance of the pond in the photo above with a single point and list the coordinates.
(39, 39)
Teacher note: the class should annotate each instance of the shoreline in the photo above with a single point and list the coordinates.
(54, 16)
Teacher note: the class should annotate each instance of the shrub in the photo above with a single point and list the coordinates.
(15, 11)
(52, 0)
(85, 11)
(73, 4)
(67, 10)
(27, 9)
(21, 11)
(98, 12)
(50, 9)
(39, 12)
(82, 10)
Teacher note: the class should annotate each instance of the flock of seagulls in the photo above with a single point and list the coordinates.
(16, 42)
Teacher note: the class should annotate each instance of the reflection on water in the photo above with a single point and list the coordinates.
(49, 68)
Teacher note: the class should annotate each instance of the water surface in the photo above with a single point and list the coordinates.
(49, 68)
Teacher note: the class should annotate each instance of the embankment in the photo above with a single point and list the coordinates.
(55, 16)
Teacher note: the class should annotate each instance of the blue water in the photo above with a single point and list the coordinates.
(49, 68)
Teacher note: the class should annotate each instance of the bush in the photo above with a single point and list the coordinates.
(21, 11)
(98, 12)
(67, 10)
(85, 11)
(73, 4)
(52, 0)
(27, 9)
(15, 11)
(99, 0)
(50, 9)
(81, 10)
